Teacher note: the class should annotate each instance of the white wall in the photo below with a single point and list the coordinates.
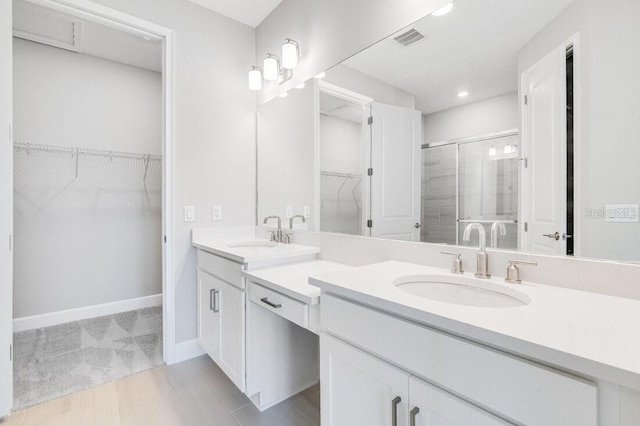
(478, 118)
(286, 154)
(363, 84)
(214, 129)
(331, 31)
(6, 207)
(97, 239)
(610, 141)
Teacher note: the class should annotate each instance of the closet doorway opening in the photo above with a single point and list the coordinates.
(92, 180)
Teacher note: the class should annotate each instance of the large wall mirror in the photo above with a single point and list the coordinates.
(516, 115)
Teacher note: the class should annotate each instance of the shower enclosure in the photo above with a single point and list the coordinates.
(471, 180)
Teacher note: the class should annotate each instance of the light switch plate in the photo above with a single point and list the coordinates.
(307, 211)
(289, 212)
(217, 213)
(625, 213)
(189, 213)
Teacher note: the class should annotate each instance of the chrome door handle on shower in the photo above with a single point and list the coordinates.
(555, 236)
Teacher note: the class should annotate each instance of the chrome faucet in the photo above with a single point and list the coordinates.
(277, 235)
(482, 270)
(296, 216)
(500, 226)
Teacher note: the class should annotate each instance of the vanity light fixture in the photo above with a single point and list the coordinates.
(320, 76)
(290, 54)
(255, 78)
(463, 94)
(271, 67)
(443, 10)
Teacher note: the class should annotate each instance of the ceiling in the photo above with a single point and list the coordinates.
(333, 106)
(473, 48)
(249, 12)
(45, 26)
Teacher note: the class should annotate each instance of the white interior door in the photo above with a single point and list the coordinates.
(396, 139)
(6, 211)
(544, 139)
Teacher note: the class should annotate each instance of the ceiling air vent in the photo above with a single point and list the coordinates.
(408, 38)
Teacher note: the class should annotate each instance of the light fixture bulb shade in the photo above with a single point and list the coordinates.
(443, 10)
(271, 68)
(290, 54)
(255, 78)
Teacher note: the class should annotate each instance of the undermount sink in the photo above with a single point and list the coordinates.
(253, 244)
(459, 290)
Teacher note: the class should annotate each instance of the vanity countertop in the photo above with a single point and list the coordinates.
(224, 243)
(293, 279)
(591, 334)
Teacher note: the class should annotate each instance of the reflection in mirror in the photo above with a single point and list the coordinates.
(514, 115)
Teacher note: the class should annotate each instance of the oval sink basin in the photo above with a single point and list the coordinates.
(462, 291)
(253, 244)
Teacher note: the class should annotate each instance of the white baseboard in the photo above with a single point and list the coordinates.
(186, 350)
(61, 317)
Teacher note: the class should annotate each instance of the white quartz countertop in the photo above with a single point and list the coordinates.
(293, 280)
(222, 244)
(590, 334)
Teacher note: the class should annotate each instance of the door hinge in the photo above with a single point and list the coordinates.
(165, 239)
(10, 352)
(526, 100)
(370, 172)
(369, 223)
(525, 161)
(526, 227)
(370, 121)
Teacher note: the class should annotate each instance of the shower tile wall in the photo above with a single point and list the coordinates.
(439, 195)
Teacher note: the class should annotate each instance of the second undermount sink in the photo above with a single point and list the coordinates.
(459, 290)
(253, 244)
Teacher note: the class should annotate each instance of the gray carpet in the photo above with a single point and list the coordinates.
(55, 361)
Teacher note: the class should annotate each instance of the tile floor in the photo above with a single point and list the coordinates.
(195, 392)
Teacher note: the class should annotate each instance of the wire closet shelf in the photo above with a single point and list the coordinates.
(76, 153)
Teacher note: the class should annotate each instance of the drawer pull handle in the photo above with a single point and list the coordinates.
(273, 305)
(213, 295)
(394, 410)
(412, 416)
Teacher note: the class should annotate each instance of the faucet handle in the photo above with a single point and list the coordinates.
(456, 265)
(513, 272)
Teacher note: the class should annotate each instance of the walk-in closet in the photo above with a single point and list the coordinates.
(88, 203)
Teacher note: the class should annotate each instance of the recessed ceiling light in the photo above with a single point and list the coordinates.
(443, 10)
(463, 94)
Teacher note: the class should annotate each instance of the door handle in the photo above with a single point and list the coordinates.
(216, 305)
(417, 225)
(555, 236)
(273, 305)
(412, 416)
(394, 410)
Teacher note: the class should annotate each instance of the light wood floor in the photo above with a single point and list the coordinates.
(194, 392)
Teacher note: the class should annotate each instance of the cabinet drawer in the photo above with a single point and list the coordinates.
(222, 268)
(288, 308)
(511, 387)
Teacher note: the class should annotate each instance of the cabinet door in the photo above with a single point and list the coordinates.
(208, 314)
(431, 406)
(232, 337)
(359, 389)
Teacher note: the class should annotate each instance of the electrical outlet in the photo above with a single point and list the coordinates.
(189, 213)
(217, 213)
(307, 211)
(289, 212)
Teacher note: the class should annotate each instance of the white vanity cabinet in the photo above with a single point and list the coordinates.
(221, 314)
(511, 388)
(360, 389)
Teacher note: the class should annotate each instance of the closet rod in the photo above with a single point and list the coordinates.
(81, 151)
(341, 175)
